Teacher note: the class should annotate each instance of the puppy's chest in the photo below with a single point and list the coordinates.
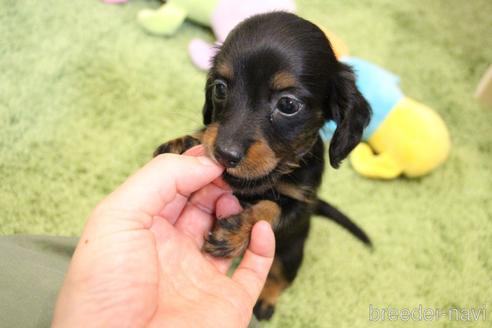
(295, 193)
(295, 202)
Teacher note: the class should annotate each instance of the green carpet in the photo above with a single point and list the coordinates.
(86, 95)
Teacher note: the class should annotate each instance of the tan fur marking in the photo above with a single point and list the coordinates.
(275, 284)
(198, 135)
(209, 137)
(238, 240)
(259, 161)
(294, 192)
(225, 70)
(176, 146)
(179, 145)
(283, 80)
(265, 210)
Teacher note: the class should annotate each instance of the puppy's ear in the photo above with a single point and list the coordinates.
(350, 110)
(208, 106)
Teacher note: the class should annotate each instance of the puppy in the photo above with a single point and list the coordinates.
(273, 84)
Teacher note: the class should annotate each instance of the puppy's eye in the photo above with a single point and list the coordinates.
(220, 90)
(289, 106)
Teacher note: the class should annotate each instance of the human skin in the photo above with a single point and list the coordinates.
(139, 261)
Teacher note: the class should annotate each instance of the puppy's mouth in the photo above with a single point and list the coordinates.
(257, 168)
(248, 185)
(246, 178)
(245, 174)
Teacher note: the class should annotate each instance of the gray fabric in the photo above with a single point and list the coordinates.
(31, 273)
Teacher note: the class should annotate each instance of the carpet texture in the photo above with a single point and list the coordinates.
(86, 96)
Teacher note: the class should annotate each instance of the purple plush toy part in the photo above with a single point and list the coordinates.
(225, 17)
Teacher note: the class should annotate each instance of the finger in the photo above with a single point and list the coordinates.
(226, 206)
(196, 221)
(221, 264)
(221, 183)
(161, 229)
(210, 196)
(253, 269)
(197, 218)
(198, 150)
(172, 211)
(158, 183)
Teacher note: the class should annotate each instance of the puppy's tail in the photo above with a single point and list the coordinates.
(330, 212)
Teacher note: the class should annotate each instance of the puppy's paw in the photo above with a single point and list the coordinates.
(263, 310)
(177, 146)
(228, 238)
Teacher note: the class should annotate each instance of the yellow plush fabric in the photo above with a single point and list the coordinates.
(412, 140)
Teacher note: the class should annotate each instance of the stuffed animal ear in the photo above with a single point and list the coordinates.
(351, 112)
(208, 106)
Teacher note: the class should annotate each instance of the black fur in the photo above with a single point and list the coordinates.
(256, 50)
(327, 210)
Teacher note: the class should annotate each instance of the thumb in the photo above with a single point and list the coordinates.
(160, 181)
(255, 265)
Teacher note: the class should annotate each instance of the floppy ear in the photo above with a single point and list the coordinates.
(350, 110)
(208, 106)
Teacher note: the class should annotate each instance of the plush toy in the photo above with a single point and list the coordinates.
(170, 16)
(403, 136)
(221, 15)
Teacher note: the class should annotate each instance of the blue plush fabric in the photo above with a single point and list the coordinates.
(380, 88)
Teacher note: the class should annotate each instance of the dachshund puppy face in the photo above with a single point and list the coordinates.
(273, 84)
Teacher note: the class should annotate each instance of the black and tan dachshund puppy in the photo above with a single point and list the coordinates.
(274, 83)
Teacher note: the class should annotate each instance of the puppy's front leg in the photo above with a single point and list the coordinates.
(179, 145)
(230, 236)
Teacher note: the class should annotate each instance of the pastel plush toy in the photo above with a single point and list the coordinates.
(221, 15)
(171, 15)
(403, 136)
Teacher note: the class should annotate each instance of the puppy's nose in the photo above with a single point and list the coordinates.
(228, 156)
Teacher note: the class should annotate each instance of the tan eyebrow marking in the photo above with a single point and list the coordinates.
(225, 70)
(283, 80)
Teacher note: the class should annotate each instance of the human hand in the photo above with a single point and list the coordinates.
(139, 261)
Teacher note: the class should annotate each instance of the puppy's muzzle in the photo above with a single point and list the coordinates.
(229, 155)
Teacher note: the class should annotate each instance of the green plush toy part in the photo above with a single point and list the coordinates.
(167, 19)
(220, 15)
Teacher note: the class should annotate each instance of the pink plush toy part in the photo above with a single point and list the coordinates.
(225, 17)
